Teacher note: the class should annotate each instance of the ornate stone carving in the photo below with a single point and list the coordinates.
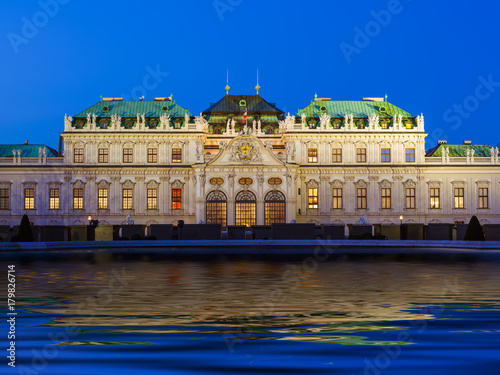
(245, 151)
(303, 119)
(165, 121)
(103, 184)
(68, 120)
(349, 121)
(201, 123)
(312, 184)
(177, 184)
(420, 121)
(268, 145)
(116, 121)
(152, 184)
(361, 184)
(397, 121)
(187, 119)
(222, 145)
(128, 184)
(325, 121)
(337, 184)
(385, 184)
(410, 184)
(373, 120)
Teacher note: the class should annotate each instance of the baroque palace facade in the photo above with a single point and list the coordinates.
(244, 162)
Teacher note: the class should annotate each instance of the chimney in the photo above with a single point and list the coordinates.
(25, 141)
(442, 142)
(467, 142)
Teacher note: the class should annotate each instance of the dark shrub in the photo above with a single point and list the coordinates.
(136, 237)
(25, 233)
(14, 239)
(474, 230)
(150, 238)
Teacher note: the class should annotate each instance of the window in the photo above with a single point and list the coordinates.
(410, 198)
(78, 199)
(337, 155)
(312, 155)
(29, 199)
(127, 199)
(483, 198)
(152, 155)
(78, 155)
(103, 155)
(274, 181)
(246, 208)
(152, 199)
(337, 198)
(216, 208)
(176, 199)
(434, 197)
(128, 155)
(53, 199)
(459, 197)
(102, 199)
(386, 155)
(410, 155)
(313, 198)
(275, 208)
(216, 181)
(245, 181)
(176, 155)
(386, 198)
(361, 155)
(4, 199)
(361, 198)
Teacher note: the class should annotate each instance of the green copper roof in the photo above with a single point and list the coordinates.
(356, 108)
(132, 108)
(460, 150)
(27, 151)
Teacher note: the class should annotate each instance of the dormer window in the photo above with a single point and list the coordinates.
(105, 109)
(243, 103)
(164, 108)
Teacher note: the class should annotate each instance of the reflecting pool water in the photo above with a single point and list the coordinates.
(106, 313)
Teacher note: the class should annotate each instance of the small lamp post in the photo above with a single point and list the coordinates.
(90, 220)
(401, 219)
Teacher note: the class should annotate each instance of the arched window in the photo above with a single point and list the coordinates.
(246, 208)
(275, 207)
(216, 208)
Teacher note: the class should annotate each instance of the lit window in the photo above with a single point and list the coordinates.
(176, 199)
(103, 155)
(176, 155)
(274, 181)
(216, 181)
(53, 199)
(102, 199)
(386, 155)
(337, 155)
(459, 197)
(361, 155)
(337, 198)
(152, 155)
(361, 198)
(313, 198)
(128, 155)
(78, 199)
(410, 155)
(386, 198)
(78, 155)
(152, 199)
(127, 199)
(410, 198)
(29, 199)
(246, 181)
(312, 155)
(434, 197)
(4, 199)
(483, 198)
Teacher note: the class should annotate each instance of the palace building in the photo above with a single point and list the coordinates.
(243, 161)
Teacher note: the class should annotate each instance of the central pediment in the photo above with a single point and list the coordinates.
(245, 150)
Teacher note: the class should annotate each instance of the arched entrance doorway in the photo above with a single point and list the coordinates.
(275, 207)
(246, 208)
(216, 208)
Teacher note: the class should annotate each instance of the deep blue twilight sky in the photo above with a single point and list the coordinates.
(437, 57)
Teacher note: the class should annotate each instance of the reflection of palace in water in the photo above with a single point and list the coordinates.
(168, 296)
(243, 161)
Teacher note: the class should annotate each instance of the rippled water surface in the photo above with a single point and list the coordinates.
(147, 314)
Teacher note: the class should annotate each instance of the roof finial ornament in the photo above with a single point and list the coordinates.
(316, 96)
(385, 97)
(257, 88)
(227, 84)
